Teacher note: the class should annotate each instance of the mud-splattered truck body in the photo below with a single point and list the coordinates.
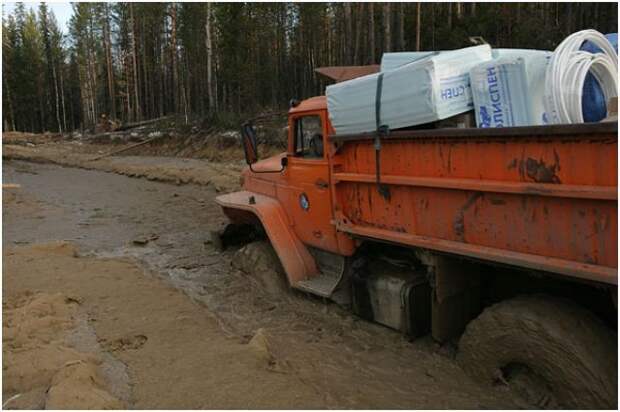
(486, 216)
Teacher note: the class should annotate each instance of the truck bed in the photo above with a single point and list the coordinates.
(542, 198)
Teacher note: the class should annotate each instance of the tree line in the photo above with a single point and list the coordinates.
(211, 61)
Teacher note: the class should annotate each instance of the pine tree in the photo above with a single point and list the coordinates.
(136, 61)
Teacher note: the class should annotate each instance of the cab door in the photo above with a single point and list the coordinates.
(308, 180)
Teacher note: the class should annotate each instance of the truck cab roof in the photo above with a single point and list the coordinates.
(313, 103)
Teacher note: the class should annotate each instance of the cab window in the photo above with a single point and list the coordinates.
(309, 137)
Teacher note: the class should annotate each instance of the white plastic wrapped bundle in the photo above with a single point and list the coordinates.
(394, 60)
(391, 61)
(430, 89)
(515, 53)
(509, 90)
(567, 71)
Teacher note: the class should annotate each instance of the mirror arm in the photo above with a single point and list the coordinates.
(284, 164)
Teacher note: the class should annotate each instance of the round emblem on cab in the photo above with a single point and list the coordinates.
(304, 202)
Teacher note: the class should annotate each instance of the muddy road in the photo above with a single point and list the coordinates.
(319, 355)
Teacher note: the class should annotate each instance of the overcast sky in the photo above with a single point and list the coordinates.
(62, 10)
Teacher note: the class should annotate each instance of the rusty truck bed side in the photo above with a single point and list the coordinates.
(543, 197)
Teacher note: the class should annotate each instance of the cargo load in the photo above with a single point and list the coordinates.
(509, 90)
(568, 69)
(392, 61)
(593, 104)
(429, 89)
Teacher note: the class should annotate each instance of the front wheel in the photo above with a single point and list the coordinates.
(551, 352)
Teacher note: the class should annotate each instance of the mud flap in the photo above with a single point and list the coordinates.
(455, 296)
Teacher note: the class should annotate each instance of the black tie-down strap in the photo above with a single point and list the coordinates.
(382, 130)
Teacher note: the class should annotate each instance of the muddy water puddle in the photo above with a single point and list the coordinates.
(165, 227)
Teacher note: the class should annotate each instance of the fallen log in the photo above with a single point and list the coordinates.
(133, 125)
(114, 152)
(11, 186)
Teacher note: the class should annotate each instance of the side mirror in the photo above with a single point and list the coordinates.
(248, 141)
(284, 162)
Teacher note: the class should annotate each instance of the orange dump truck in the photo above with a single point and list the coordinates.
(503, 241)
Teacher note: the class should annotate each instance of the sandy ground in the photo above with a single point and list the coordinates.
(188, 327)
(51, 356)
(173, 349)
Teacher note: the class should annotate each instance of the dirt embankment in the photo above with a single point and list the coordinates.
(169, 155)
(163, 138)
(223, 176)
(163, 150)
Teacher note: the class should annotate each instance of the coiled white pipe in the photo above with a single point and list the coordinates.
(566, 74)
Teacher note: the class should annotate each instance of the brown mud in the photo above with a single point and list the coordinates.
(192, 329)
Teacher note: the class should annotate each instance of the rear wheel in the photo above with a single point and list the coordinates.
(551, 352)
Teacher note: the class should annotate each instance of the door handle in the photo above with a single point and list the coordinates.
(321, 184)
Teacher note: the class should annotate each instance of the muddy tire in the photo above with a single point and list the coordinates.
(551, 352)
(259, 261)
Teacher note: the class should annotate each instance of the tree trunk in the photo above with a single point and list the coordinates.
(62, 99)
(135, 64)
(175, 68)
(145, 76)
(433, 26)
(130, 111)
(92, 74)
(84, 97)
(89, 99)
(449, 15)
(161, 81)
(387, 17)
(371, 32)
(330, 39)
(209, 46)
(11, 112)
(348, 35)
(57, 99)
(41, 103)
(358, 34)
(417, 26)
(401, 26)
(109, 67)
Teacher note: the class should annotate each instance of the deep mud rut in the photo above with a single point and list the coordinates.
(347, 362)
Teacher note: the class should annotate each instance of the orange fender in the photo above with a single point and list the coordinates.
(297, 261)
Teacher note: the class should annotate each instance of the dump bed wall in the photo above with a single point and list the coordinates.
(544, 198)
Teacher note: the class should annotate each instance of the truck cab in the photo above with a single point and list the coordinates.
(296, 186)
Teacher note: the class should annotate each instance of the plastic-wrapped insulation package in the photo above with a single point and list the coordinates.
(509, 90)
(429, 89)
(515, 53)
(394, 60)
(391, 61)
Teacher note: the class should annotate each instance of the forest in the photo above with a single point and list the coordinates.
(218, 62)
